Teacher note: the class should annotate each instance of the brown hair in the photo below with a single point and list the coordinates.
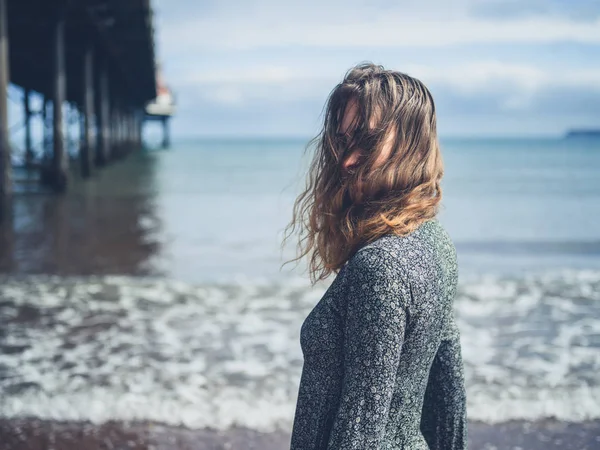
(341, 210)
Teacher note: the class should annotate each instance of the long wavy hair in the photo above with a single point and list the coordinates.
(343, 209)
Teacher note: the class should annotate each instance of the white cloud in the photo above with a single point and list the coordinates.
(477, 55)
(226, 95)
(256, 74)
(475, 76)
(393, 29)
(241, 85)
(283, 83)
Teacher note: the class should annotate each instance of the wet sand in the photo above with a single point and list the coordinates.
(33, 434)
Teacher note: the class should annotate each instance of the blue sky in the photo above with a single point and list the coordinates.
(265, 67)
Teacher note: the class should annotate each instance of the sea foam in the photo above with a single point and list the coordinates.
(122, 348)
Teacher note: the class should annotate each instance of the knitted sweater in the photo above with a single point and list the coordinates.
(382, 357)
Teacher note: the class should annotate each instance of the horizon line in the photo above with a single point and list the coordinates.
(236, 137)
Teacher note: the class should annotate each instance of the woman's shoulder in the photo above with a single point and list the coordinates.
(428, 244)
(427, 235)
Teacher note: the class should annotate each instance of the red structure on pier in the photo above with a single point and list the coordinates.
(162, 107)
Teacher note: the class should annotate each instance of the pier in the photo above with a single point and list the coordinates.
(162, 108)
(92, 63)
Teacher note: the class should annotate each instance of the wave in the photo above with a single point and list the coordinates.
(222, 354)
(584, 248)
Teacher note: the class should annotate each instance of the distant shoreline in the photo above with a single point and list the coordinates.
(235, 139)
(589, 133)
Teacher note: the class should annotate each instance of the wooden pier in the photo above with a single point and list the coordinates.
(97, 56)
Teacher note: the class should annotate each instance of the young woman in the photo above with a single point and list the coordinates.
(382, 357)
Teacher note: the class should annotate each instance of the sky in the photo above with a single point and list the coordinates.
(265, 67)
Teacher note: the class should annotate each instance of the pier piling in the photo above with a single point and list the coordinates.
(28, 143)
(87, 147)
(47, 128)
(93, 64)
(60, 161)
(5, 156)
(166, 133)
(103, 126)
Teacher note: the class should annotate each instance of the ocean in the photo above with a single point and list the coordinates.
(155, 292)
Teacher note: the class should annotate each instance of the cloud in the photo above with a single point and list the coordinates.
(245, 85)
(266, 66)
(501, 112)
(518, 83)
(516, 86)
(255, 74)
(269, 24)
(485, 93)
(581, 10)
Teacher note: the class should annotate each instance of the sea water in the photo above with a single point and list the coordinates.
(155, 291)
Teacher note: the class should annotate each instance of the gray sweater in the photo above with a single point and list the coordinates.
(382, 358)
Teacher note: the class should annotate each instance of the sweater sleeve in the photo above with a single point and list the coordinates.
(373, 336)
(444, 419)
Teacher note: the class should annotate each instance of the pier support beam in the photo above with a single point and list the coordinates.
(114, 132)
(87, 148)
(59, 161)
(134, 127)
(166, 133)
(121, 128)
(46, 129)
(123, 125)
(28, 144)
(138, 129)
(102, 118)
(5, 158)
(126, 128)
(141, 128)
(131, 129)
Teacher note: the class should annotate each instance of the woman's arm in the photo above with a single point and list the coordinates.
(444, 419)
(373, 337)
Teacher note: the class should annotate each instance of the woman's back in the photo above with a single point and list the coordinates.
(382, 367)
(382, 363)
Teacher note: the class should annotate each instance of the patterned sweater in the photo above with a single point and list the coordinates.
(382, 357)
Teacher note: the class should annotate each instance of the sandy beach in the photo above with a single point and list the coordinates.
(33, 434)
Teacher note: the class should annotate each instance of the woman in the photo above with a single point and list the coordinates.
(382, 358)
